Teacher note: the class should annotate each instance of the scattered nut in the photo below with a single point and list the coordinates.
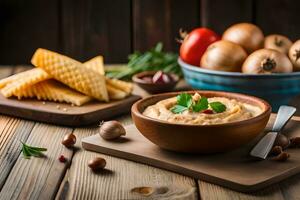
(145, 191)
(276, 150)
(111, 130)
(295, 142)
(69, 140)
(97, 164)
(65, 109)
(44, 103)
(282, 141)
(58, 107)
(283, 156)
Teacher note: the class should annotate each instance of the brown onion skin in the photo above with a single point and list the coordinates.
(278, 42)
(249, 36)
(293, 55)
(223, 56)
(253, 64)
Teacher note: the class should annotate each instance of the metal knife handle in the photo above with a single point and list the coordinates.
(283, 116)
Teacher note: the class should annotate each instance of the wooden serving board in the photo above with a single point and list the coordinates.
(65, 114)
(235, 169)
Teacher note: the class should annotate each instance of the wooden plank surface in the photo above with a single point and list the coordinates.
(12, 131)
(26, 26)
(219, 15)
(121, 176)
(38, 178)
(280, 16)
(33, 182)
(230, 169)
(210, 191)
(155, 21)
(91, 27)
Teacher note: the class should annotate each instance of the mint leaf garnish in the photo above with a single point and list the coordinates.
(217, 106)
(185, 102)
(178, 109)
(185, 99)
(202, 104)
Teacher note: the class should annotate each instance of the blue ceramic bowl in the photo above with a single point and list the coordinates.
(277, 89)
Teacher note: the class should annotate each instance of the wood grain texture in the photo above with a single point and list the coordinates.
(39, 178)
(291, 188)
(210, 191)
(280, 16)
(219, 15)
(121, 176)
(66, 114)
(155, 20)
(5, 71)
(91, 27)
(12, 131)
(231, 169)
(26, 26)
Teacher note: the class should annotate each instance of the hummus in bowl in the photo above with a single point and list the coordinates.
(221, 121)
(235, 111)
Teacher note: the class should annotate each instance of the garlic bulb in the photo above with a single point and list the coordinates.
(111, 130)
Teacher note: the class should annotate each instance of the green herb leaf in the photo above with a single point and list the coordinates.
(202, 104)
(152, 60)
(178, 109)
(185, 99)
(217, 106)
(26, 154)
(29, 151)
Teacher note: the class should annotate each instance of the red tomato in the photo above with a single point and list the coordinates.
(195, 44)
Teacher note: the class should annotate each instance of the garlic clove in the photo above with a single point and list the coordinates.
(111, 130)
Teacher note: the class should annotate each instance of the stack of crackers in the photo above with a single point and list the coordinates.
(63, 79)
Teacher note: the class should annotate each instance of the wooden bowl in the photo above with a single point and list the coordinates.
(154, 88)
(200, 138)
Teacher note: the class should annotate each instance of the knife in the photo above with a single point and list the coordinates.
(264, 146)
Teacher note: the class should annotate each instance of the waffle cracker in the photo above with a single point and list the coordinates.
(21, 81)
(115, 93)
(121, 85)
(71, 73)
(95, 64)
(52, 90)
(117, 89)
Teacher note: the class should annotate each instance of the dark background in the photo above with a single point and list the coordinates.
(114, 28)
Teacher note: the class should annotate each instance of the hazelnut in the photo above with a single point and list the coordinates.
(97, 164)
(276, 150)
(295, 142)
(283, 156)
(282, 141)
(69, 140)
(111, 130)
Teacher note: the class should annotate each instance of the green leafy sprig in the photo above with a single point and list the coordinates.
(185, 102)
(29, 151)
(152, 60)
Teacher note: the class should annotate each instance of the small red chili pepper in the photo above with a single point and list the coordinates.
(207, 111)
(62, 158)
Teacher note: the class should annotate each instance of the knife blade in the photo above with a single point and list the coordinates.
(264, 146)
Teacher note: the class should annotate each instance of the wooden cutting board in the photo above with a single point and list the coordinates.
(235, 169)
(65, 114)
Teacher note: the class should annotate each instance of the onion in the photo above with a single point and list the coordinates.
(249, 36)
(278, 42)
(223, 56)
(266, 61)
(294, 54)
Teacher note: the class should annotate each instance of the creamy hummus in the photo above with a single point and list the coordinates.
(235, 111)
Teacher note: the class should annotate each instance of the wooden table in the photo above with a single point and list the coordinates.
(47, 178)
